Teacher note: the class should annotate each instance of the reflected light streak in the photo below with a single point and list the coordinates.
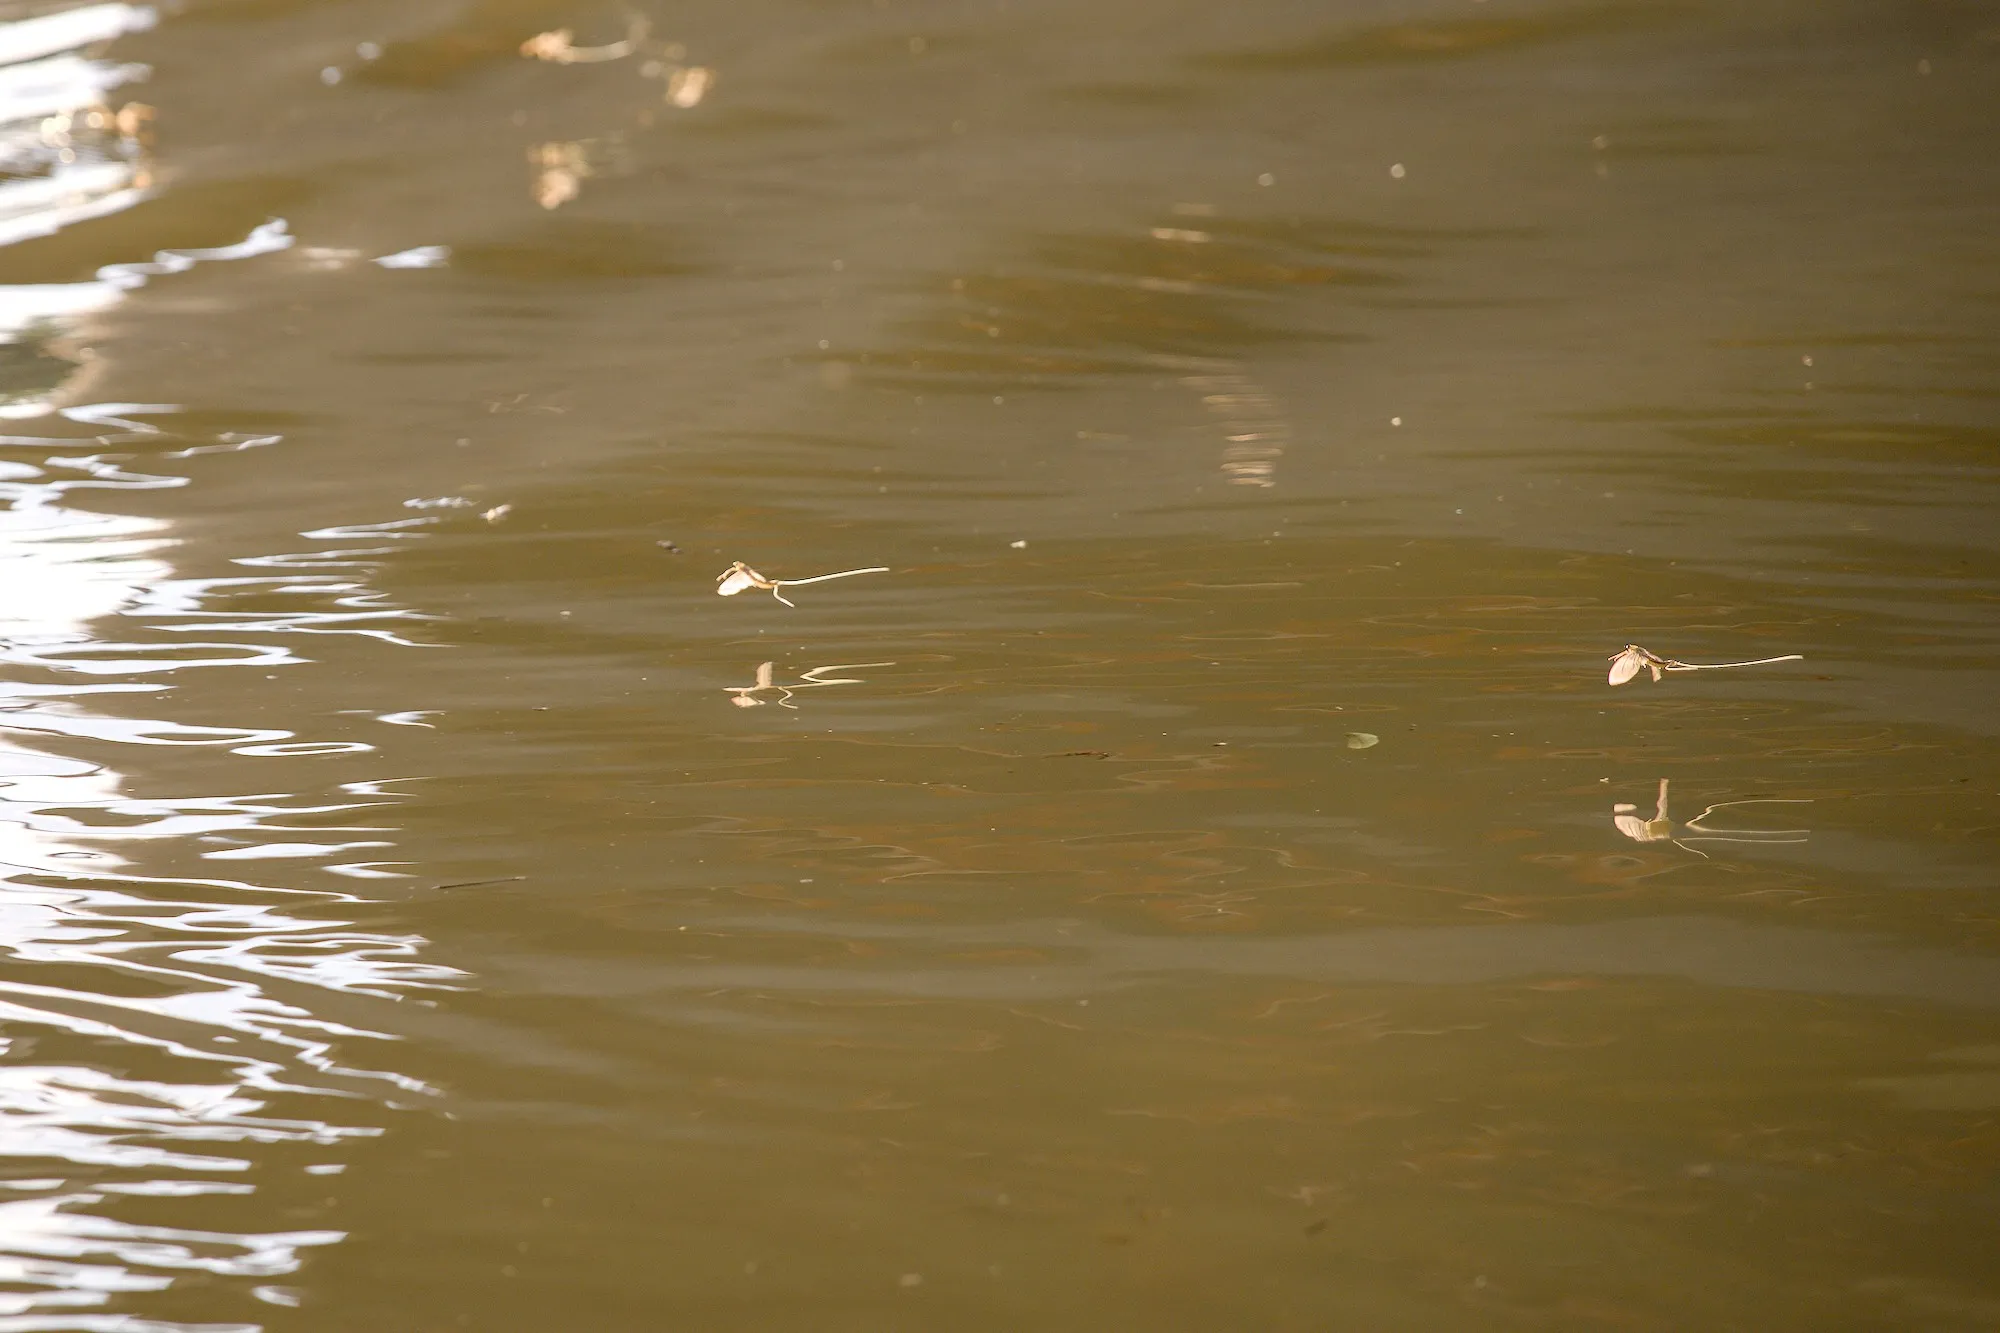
(65, 158)
(207, 985)
(149, 1021)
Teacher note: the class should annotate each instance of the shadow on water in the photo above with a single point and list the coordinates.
(1442, 39)
(1198, 285)
(1192, 298)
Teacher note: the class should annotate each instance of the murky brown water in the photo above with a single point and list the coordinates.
(1190, 890)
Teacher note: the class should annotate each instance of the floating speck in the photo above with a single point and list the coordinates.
(422, 256)
(686, 87)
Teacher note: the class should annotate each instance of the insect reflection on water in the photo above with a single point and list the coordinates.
(1660, 828)
(746, 696)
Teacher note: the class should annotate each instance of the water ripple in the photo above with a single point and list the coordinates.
(161, 1028)
(151, 1022)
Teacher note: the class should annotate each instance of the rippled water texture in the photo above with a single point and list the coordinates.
(1206, 880)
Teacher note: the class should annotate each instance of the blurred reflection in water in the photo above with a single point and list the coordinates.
(65, 156)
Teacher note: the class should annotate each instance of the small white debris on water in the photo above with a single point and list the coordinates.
(497, 512)
(1019, 546)
(412, 717)
(1397, 171)
(686, 87)
(422, 256)
(326, 257)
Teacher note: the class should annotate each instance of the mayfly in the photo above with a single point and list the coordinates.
(740, 576)
(559, 47)
(1632, 659)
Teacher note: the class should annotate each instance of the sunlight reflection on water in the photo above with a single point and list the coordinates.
(200, 993)
(162, 969)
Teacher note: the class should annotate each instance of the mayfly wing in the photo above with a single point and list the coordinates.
(736, 578)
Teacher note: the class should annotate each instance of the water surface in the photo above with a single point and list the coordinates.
(1208, 882)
